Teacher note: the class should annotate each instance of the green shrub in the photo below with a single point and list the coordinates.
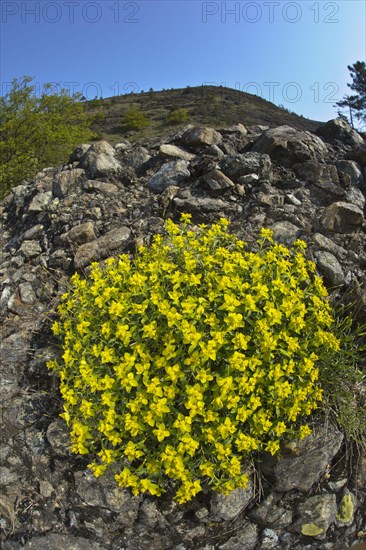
(36, 132)
(178, 364)
(177, 116)
(135, 119)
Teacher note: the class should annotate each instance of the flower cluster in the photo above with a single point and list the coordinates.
(181, 362)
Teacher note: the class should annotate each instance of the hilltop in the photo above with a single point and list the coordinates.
(213, 106)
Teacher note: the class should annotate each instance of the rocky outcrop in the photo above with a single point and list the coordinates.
(107, 200)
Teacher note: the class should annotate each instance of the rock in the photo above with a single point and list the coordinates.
(27, 294)
(80, 234)
(217, 181)
(40, 202)
(285, 232)
(197, 137)
(236, 129)
(330, 267)
(79, 152)
(317, 514)
(327, 244)
(56, 541)
(289, 146)
(246, 538)
(341, 217)
(316, 172)
(171, 173)
(247, 163)
(137, 158)
(351, 168)
(30, 249)
(58, 436)
(339, 129)
(64, 181)
(229, 506)
(355, 196)
(203, 205)
(346, 509)
(99, 161)
(357, 154)
(123, 145)
(101, 248)
(168, 150)
(272, 514)
(308, 461)
(100, 187)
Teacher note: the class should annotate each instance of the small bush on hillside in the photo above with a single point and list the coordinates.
(177, 116)
(180, 363)
(135, 119)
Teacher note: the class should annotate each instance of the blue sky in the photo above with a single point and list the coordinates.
(292, 53)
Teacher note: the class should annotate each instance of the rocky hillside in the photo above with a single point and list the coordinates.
(103, 202)
(212, 106)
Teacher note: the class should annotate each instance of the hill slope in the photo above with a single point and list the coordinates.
(206, 105)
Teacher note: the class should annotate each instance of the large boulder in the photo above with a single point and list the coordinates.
(198, 137)
(247, 163)
(342, 217)
(99, 161)
(338, 129)
(288, 145)
(171, 173)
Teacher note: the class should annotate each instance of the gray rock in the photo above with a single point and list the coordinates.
(327, 244)
(13, 357)
(27, 294)
(351, 168)
(136, 158)
(79, 152)
(57, 541)
(40, 202)
(66, 181)
(289, 146)
(269, 539)
(100, 187)
(235, 129)
(315, 172)
(270, 513)
(217, 181)
(80, 234)
(172, 151)
(308, 460)
(99, 161)
(196, 137)
(355, 196)
(246, 538)
(171, 173)
(203, 205)
(285, 232)
(30, 249)
(249, 179)
(58, 436)
(341, 217)
(227, 507)
(358, 154)
(247, 163)
(330, 268)
(101, 248)
(123, 145)
(339, 129)
(317, 514)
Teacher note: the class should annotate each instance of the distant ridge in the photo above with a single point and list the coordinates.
(213, 106)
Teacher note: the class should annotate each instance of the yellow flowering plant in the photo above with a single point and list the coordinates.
(181, 362)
